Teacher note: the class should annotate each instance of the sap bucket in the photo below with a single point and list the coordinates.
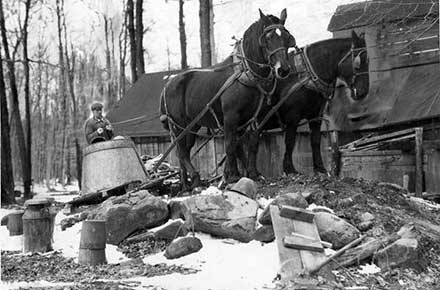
(15, 223)
(92, 244)
(37, 226)
(111, 164)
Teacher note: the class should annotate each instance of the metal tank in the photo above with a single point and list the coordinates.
(110, 164)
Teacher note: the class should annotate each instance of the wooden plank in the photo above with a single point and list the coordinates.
(290, 259)
(297, 213)
(404, 61)
(410, 45)
(335, 154)
(419, 162)
(310, 259)
(300, 243)
(433, 172)
(385, 136)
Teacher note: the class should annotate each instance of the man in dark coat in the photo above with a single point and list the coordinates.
(98, 128)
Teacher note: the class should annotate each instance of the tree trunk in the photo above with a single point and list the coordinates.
(108, 102)
(205, 33)
(131, 35)
(27, 175)
(7, 189)
(183, 57)
(122, 55)
(140, 63)
(15, 110)
(62, 88)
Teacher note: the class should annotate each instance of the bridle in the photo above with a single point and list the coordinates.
(355, 54)
(262, 42)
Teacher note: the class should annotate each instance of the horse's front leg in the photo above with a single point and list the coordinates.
(315, 142)
(230, 171)
(252, 149)
(289, 141)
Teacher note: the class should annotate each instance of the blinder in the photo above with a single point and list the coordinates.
(270, 29)
(355, 54)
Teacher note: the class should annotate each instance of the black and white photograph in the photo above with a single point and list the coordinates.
(220, 144)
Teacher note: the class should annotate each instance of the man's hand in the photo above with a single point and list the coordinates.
(100, 131)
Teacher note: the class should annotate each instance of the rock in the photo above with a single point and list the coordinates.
(182, 247)
(403, 253)
(130, 212)
(264, 234)
(172, 230)
(227, 215)
(335, 230)
(179, 210)
(292, 199)
(246, 186)
(366, 221)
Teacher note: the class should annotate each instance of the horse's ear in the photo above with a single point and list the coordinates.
(357, 40)
(283, 16)
(261, 13)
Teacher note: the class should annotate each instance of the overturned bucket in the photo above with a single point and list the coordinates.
(110, 164)
(92, 244)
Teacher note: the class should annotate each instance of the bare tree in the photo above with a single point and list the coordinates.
(140, 63)
(205, 32)
(15, 110)
(27, 175)
(131, 35)
(182, 34)
(122, 54)
(7, 178)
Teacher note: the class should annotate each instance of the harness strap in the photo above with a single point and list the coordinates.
(182, 134)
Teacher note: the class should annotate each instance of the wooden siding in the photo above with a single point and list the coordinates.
(269, 159)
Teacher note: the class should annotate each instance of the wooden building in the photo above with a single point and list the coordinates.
(402, 39)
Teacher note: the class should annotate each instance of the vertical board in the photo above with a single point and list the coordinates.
(432, 177)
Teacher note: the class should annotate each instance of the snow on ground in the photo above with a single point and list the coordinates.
(223, 264)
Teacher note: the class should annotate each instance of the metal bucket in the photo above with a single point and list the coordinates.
(37, 226)
(110, 164)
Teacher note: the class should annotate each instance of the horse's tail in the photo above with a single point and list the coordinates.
(163, 110)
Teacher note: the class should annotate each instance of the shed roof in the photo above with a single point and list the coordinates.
(137, 113)
(372, 12)
(409, 94)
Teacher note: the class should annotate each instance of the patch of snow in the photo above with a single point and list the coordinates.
(223, 266)
(170, 221)
(212, 190)
(369, 269)
(316, 208)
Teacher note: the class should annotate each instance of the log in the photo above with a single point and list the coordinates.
(140, 237)
(361, 252)
(92, 244)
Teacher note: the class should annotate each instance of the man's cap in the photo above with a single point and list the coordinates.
(96, 106)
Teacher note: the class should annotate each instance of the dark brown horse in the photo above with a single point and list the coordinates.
(237, 93)
(333, 62)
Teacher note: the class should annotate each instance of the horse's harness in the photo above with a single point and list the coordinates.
(247, 76)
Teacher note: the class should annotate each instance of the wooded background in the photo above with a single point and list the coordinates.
(46, 99)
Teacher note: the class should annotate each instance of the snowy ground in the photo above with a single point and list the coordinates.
(223, 264)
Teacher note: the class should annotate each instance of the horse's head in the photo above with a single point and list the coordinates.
(269, 40)
(275, 41)
(353, 67)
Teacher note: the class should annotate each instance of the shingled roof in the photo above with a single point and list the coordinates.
(372, 12)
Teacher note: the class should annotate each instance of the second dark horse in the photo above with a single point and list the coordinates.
(332, 62)
(264, 58)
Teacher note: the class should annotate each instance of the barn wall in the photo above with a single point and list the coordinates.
(269, 158)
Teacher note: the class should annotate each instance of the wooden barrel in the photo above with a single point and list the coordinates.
(15, 223)
(37, 226)
(92, 244)
(110, 164)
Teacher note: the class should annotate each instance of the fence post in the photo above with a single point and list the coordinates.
(419, 161)
(335, 154)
